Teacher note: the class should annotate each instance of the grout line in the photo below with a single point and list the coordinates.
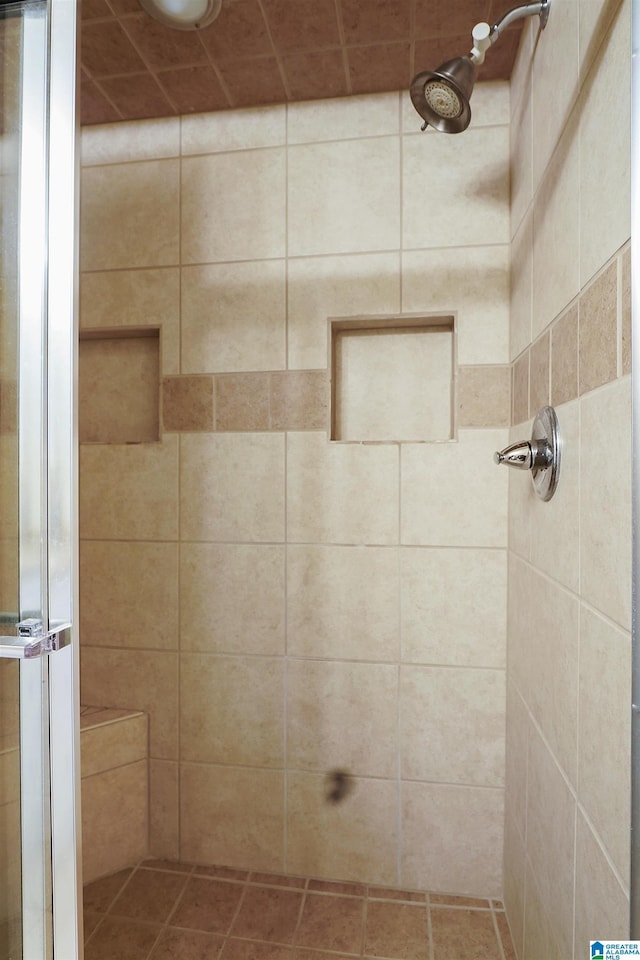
(496, 930)
(365, 919)
(237, 910)
(430, 930)
(303, 901)
(165, 924)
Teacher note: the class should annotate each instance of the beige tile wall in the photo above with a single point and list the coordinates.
(568, 687)
(279, 605)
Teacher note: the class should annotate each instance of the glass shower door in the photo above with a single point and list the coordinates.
(38, 672)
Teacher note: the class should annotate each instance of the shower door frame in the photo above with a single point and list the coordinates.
(635, 428)
(63, 273)
(46, 642)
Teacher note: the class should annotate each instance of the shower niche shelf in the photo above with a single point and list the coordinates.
(119, 385)
(392, 378)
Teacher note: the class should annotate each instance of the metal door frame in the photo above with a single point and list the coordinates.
(45, 639)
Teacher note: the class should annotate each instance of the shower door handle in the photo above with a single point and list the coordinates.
(31, 641)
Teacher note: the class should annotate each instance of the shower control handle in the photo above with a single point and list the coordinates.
(524, 455)
(541, 455)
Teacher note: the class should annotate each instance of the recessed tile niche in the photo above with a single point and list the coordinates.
(119, 382)
(392, 379)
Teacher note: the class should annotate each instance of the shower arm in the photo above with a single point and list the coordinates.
(485, 36)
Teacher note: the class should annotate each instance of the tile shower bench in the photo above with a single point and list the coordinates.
(115, 789)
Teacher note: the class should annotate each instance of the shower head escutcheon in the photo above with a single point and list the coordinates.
(442, 96)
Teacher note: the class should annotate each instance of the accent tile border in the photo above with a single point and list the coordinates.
(245, 402)
(298, 400)
(585, 347)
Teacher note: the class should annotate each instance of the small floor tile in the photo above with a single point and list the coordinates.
(268, 913)
(464, 933)
(177, 944)
(121, 938)
(397, 930)
(332, 923)
(100, 894)
(253, 950)
(149, 895)
(208, 905)
(168, 910)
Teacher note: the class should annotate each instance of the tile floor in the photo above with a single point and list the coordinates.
(176, 911)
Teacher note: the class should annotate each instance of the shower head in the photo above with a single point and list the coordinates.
(442, 96)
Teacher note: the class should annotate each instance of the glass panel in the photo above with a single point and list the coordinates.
(10, 868)
(10, 861)
(25, 887)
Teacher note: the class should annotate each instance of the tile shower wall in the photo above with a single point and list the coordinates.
(568, 692)
(281, 606)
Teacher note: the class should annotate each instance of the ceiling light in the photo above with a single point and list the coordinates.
(183, 14)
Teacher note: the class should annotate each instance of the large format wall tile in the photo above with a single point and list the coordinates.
(514, 879)
(452, 838)
(544, 654)
(556, 226)
(221, 823)
(227, 130)
(453, 494)
(341, 493)
(128, 142)
(115, 819)
(130, 215)
(247, 725)
(605, 501)
(343, 119)
(232, 487)
(602, 901)
(319, 288)
(129, 594)
(139, 679)
(453, 606)
(556, 55)
(538, 927)
(129, 491)
(550, 840)
(233, 206)
(136, 298)
(452, 725)
(521, 300)
(454, 197)
(164, 817)
(233, 317)
(473, 284)
(555, 540)
(516, 759)
(342, 716)
(605, 112)
(342, 602)
(232, 598)
(604, 735)
(344, 197)
(344, 841)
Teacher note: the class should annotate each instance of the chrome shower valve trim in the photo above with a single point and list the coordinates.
(540, 455)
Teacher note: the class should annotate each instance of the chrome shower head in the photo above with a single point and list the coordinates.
(442, 96)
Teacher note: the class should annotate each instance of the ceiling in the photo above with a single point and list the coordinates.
(272, 51)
